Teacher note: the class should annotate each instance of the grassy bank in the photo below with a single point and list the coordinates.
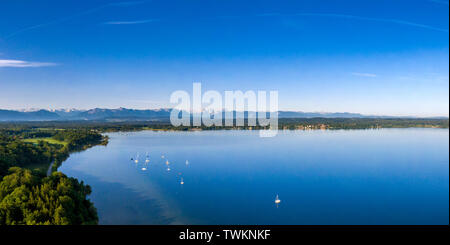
(46, 139)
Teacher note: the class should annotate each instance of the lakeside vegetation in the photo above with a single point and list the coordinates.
(361, 123)
(27, 198)
(46, 139)
(27, 195)
(45, 128)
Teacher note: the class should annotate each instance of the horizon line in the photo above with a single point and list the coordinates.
(25, 110)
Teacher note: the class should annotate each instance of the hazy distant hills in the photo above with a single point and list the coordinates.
(132, 114)
(100, 114)
(299, 114)
(40, 115)
(93, 114)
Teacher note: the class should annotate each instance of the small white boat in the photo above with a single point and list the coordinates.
(137, 158)
(144, 169)
(162, 156)
(182, 182)
(277, 200)
(168, 169)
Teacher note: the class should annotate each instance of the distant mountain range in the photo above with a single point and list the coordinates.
(40, 115)
(123, 114)
(93, 114)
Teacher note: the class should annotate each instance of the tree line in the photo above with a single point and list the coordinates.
(36, 128)
(28, 196)
(29, 199)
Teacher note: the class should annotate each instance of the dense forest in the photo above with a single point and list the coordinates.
(27, 195)
(27, 198)
(20, 154)
(361, 123)
(37, 129)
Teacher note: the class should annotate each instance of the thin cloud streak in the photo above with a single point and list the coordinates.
(130, 3)
(58, 21)
(22, 63)
(358, 74)
(342, 16)
(394, 21)
(345, 16)
(133, 22)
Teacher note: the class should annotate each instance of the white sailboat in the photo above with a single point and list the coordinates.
(182, 182)
(277, 200)
(137, 158)
(146, 158)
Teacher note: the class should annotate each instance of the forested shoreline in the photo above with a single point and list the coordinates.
(35, 128)
(27, 195)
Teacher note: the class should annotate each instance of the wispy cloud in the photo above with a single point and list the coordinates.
(345, 16)
(355, 17)
(132, 3)
(331, 15)
(358, 74)
(129, 3)
(132, 22)
(67, 18)
(22, 63)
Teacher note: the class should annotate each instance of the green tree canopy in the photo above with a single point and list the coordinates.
(54, 200)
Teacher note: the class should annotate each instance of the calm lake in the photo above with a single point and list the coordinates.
(386, 176)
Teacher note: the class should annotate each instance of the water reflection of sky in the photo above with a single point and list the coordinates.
(390, 176)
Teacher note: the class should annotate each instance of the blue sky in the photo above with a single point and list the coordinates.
(373, 57)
